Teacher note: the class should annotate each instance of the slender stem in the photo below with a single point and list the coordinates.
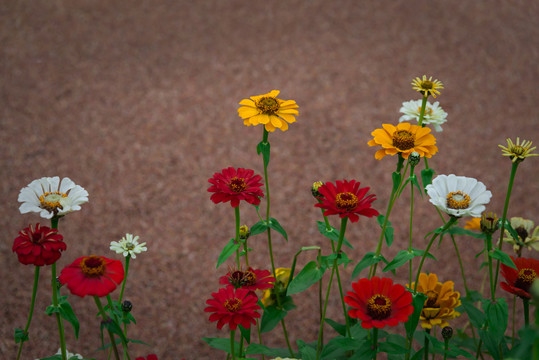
(446, 348)
(232, 333)
(237, 217)
(106, 318)
(127, 260)
(375, 342)
(488, 247)
(513, 329)
(118, 321)
(32, 303)
(321, 329)
(411, 224)
(426, 346)
(526, 303)
(54, 285)
(422, 112)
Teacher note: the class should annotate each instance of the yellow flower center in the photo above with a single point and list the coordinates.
(346, 201)
(518, 150)
(379, 307)
(427, 84)
(233, 304)
(525, 279)
(93, 266)
(428, 110)
(403, 140)
(268, 105)
(237, 184)
(52, 201)
(458, 200)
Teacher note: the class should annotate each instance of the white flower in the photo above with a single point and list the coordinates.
(434, 114)
(128, 246)
(50, 197)
(70, 356)
(458, 195)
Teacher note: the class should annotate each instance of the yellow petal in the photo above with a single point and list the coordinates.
(247, 112)
(287, 117)
(248, 102)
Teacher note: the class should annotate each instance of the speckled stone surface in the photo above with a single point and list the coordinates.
(137, 101)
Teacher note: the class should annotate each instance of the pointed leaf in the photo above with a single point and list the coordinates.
(401, 258)
(388, 233)
(413, 320)
(503, 257)
(264, 148)
(258, 228)
(308, 276)
(331, 234)
(426, 177)
(228, 250)
(455, 230)
(369, 259)
(274, 224)
(66, 311)
(271, 318)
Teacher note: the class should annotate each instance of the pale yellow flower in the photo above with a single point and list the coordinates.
(518, 152)
(427, 86)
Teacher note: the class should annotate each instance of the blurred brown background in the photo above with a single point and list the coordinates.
(137, 101)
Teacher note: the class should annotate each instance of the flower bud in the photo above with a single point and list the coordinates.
(489, 223)
(127, 306)
(447, 332)
(244, 232)
(414, 158)
(314, 189)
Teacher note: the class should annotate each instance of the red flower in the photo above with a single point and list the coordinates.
(235, 185)
(150, 357)
(251, 279)
(377, 302)
(347, 200)
(519, 281)
(233, 307)
(38, 246)
(92, 275)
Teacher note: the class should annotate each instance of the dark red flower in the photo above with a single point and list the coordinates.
(377, 302)
(519, 281)
(92, 275)
(235, 185)
(346, 199)
(150, 357)
(38, 245)
(251, 279)
(233, 307)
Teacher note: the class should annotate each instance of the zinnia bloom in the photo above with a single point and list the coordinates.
(92, 275)
(50, 197)
(128, 246)
(268, 110)
(233, 307)
(405, 139)
(427, 86)
(378, 302)
(528, 236)
(519, 281)
(441, 301)
(251, 279)
(269, 296)
(434, 114)
(236, 185)
(346, 200)
(150, 357)
(38, 245)
(458, 195)
(473, 224)
(518, 152)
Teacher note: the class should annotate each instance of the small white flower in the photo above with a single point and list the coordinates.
(434, 114)
(128, 246)
(70, 356)
(50, 197)
(458, 195)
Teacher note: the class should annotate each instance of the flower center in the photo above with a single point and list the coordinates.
(92, 266)
(346, 201)
(129, 246)
(242, 278)
(233, 304)
(52, 201)
(237, 184)
(458, 200)
(268, 105)
(428, 110)
(403, 140)
(522, 233)
(518, 150)
(427, 85)
(432, 296)
(379, 307)
(525, 279)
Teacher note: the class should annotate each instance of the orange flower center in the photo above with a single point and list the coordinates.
(233, 304)
(525, 279)
(379, 307)
(346, 201)
(51, 201)
(268, 105)
(403, 140)
(458, 200)
(237, 184)
(93, 266)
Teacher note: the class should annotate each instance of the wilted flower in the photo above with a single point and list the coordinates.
(244, 232)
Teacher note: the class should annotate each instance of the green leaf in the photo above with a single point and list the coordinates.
(264, 350)
(271, 317)
(496, 313)
(401, 258)
(391, 348)
(338, 327)
(413, 320)
(308, 276)
(476, 316)
(307, 352)
(20, 336)
(245, 333)
(66, 311)
(369, 259)
(396, 176)
(274, 224)
(228, 250)
(388, 233)
(331, 234)
(490, 343)
(338, 346)
(264, 148)
(342, 258)
(426, 177)
(221, 344)
(455, 230)
(259, 228)
(503, 257)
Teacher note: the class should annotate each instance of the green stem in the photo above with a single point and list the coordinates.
(422, 112)
(237, 217)
(32, 303)
(488, 247)
(232, 333)
(513, 329)
(54, 285)
(127, 260)
(426, 346)
(446, 348)
(411, 225)
(106, 318)
(375, 342)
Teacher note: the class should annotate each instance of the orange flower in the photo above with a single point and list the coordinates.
(404, 138)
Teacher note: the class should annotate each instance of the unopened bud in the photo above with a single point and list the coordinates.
(244, 232)
(127, 306)
(447, 332)
(315, 188)
(414, 158)
(489, 223)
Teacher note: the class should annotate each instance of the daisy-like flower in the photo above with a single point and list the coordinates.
(434, 114)
(128, 246)
(427, 86)
(473, 224)
(519, 281)
(251, 279)
(92, 275)
(149, 357)
(269, 296)
(405, 139)
(346, 200)
(378, 302)
(458, 196)
(236, 185)
(268, 110)
(38, 245)
(233, 307)
(527, 235)
(50, 197)
(441, 301)
(519, 151)
(70, 355)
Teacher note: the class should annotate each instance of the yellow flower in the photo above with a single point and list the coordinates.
(268, 110)
(526, 233)
(474, 224)
(269, 296)
(441, 301)
(427, 86)
(404, 138)
(518, 152)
